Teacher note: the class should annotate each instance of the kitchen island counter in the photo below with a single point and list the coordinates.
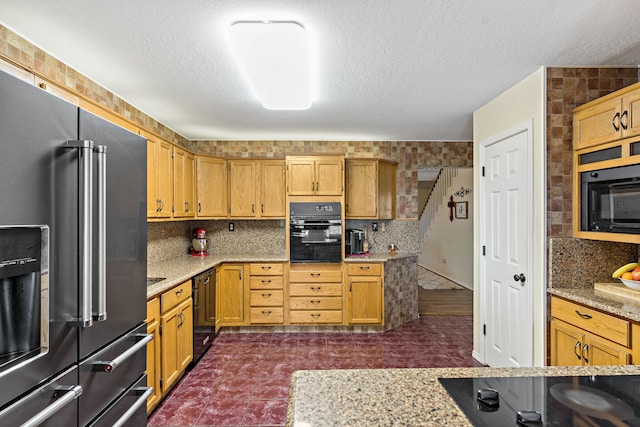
(400, 397)
(619, 306)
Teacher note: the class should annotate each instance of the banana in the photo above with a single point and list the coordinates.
(619, 272)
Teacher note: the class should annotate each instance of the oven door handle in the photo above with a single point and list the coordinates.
(71, 393)
(145, 392)
(111, 365)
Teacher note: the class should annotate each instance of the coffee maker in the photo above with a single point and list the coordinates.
(199, 242)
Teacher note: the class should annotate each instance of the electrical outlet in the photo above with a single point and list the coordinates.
(374, 226)
(231, 226)
(382, 226)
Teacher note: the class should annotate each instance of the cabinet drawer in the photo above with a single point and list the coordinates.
(267, 282)
(267, 315)
(315, 289)
(153, 310)
(315, 303)
(175, 296)
(595, 322)
(267, 269)
(267, 298)
(315, 276)
(315, 316)
(361, 269)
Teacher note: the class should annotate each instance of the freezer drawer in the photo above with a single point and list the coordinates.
(130, 409)
(53, 404)
(110, 372)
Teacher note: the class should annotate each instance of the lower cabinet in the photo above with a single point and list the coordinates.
(315, 294)
(266, 293)
(232, 310)
(170, 320)
(365, 294)
(581, 336)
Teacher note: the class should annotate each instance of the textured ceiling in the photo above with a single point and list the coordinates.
(387, 70)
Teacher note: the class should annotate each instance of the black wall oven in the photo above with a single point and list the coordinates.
(610, 200)
(315, 232)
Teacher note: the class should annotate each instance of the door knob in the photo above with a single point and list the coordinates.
(519, 277)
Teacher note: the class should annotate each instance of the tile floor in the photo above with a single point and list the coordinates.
(243, 380)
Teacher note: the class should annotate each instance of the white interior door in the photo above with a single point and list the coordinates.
(506, 297)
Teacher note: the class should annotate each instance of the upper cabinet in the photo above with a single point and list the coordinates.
(272, 189)
(315, 176)
(257, 188)
(242, 188)
(211, 187)
(159, 178)
(612, 117)
(370, 189)
(184, 194)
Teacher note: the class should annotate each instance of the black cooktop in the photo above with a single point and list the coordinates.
(559, 401)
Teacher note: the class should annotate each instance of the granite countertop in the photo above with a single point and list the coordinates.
(619, 306)
(178, 270)
(400, 397)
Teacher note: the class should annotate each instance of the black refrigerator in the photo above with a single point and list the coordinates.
(73, 238)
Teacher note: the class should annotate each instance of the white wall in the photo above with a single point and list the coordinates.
(447, 248)
(524, 101)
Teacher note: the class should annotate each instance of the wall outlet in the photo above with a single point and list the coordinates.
(382, 227)
(374, 226)
(231, 226)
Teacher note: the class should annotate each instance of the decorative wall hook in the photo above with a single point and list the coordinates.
(462, 192)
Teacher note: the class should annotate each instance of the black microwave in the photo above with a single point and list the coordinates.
(610, 200)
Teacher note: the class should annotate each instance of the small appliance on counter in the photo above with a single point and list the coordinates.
(355, 242)
(199, 243)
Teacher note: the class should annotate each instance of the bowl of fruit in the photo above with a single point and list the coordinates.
(629, 275)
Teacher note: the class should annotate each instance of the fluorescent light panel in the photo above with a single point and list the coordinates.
(274, 57)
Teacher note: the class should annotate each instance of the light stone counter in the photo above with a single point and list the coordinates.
(178, 270)
(618, 306)
(397, 397)
(381, 257)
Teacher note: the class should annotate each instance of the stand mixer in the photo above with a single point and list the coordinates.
(199, 242)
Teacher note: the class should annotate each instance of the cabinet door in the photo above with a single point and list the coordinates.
(231, 286)
(329, 177)
(185, 334)
(272, 189)
(361, 193)
(153, 364)
(190, 184)
(600, 353)
(597, 124)
(211, 187)
(566, 345)
(242, 188)
(365, 300)
(300, 177)
(165, 179)
(153, 201)
(169, 343)
(631, 114)
(182, 183)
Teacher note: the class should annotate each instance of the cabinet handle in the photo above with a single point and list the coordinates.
(262, 208)
(576, 348)
(585, 348)
(583, 315)
(266, 295)
(266, 267)
(253, 208)
(199, 207)
(622, 117)
(613, 122)
(266, 281)
(315, 288)
(266, 312)
(314, 301)
(186, 206)
(179, 292)
(364, 267)
(315, 274)
(350, 285)
(315, 315)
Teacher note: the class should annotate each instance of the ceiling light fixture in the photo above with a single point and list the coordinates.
(274, 58)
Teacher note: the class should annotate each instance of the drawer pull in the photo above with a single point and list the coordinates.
(585, 348)
(315, 315)
(266, 312)
(583, 315)
(315, 288)
(315, 274)
(364, 267)
(315, 301)
(575, 350)
(266, 267)
(179, 292)
(266, 281)
(266, 295)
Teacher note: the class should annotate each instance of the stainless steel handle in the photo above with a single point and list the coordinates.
(575, 350)
(71, 393)
(85, 217)
(585, 348)
(583, 315)
(101, 153)
(110, 366)
(145, 392)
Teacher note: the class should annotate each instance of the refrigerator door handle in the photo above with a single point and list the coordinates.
(111, 365)
(70, 393)
(101, 154)
(85, 217)
(145, 392)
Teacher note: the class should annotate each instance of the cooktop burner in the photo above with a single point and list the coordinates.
(549, 401)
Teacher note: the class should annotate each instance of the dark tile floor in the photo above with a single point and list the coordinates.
(243, 380)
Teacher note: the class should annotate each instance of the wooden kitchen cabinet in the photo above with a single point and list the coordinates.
(159, 177)
(153, 352)
(315, 175)
(266, 294)
(272, 188)
(370, 189)
(242, 188)
(184, 194)
(315, 294)
(581, 336)
(365, 294)
(609, 118)
(257, 189)
(232, 295)
(211, 187)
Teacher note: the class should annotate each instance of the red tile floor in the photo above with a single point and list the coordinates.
(243, 380)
